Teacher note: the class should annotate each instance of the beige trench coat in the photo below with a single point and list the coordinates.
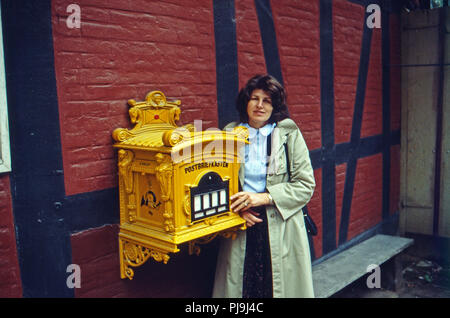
(290, 254)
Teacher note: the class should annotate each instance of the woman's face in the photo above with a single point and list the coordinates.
(259, 108)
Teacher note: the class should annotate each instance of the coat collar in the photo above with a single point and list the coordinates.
(284, 126)
(265, 130)
(279, 138)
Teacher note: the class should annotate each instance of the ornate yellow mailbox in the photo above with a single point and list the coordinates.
(174, 183)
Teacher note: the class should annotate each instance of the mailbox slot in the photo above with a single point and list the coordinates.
(210, 197)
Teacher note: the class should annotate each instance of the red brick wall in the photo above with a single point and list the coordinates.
(348, 19)
(347, 30)
(123, 50)
(367, 199)
(372, 117)
(297, 30)
(250, 51)
(10, 284)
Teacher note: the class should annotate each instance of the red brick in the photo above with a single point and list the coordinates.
(124, 50)
(297, 25)
(10, 283)
(250, 52)
(347, 31)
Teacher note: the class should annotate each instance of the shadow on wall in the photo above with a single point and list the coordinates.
(184, 276)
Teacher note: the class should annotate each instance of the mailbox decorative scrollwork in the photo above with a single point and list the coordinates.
(174, 185)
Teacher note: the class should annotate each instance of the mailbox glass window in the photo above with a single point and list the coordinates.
(210, 197)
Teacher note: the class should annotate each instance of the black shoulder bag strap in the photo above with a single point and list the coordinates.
(311, 227)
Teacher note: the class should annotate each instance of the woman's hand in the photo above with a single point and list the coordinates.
(251, 217)
(242, 202)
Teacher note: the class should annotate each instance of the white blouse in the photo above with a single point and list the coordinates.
(256, 158)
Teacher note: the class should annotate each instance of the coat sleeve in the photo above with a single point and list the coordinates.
(291, 196)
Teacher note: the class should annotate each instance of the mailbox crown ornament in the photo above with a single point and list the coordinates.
(174, 183)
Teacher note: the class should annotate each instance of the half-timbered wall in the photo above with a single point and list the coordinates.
(67, 90)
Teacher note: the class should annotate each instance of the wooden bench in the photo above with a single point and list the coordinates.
(339, 271)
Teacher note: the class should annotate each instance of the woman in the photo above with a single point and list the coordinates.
(272, 257)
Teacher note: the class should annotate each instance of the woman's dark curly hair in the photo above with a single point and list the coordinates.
(270, 85)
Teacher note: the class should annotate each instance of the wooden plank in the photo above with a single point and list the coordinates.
(419, 46)
(339, 271)
(444, 220)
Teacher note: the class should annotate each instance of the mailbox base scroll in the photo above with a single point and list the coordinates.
(133, 254)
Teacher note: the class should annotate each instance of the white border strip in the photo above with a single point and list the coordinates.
(5, 154)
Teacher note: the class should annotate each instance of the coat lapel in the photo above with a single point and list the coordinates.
(279, 138)
(241, 175)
